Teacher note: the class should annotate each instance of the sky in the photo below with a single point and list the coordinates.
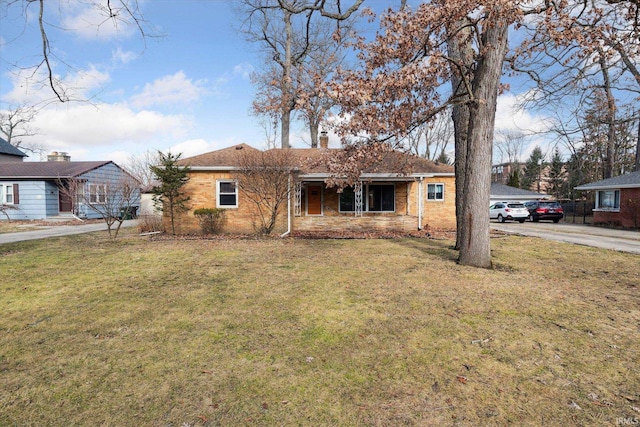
(184, 88)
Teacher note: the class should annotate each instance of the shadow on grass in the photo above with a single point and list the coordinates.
(443, 249)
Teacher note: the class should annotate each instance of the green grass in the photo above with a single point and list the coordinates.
(315, 332)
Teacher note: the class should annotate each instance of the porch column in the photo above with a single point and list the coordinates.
(357, 190)
(297, 199)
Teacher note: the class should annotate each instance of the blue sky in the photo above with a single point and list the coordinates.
(188, 91)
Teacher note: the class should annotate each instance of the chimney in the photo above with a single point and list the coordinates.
(324, 139)
(58, 157)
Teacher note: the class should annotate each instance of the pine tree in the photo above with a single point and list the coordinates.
(443, 158)
(514, 178)
(169, 194)
(557, 181)
(532, 176)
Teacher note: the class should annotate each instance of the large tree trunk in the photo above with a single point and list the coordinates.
(610, 153)
(314, 125)
(475, 248)
(636, 166)
(460, 51)
(287, 89)
(285, 125)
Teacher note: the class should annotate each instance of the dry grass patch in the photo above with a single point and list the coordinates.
(315, 332)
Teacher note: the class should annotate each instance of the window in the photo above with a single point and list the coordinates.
(227, 194)
(608, 199)
(97, 194)
(435, 192)
(9, 194)
(380, 198)
(348, 200)
(376, 198)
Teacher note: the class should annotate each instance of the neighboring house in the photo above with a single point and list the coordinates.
(501, 173)
(506, 193)
(41, 190)
(147, 205)
(9, 153)
(421, 195)
(617, 200)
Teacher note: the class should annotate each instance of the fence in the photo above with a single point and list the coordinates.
(578, 211)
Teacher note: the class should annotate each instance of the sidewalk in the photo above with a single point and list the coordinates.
(59, 230)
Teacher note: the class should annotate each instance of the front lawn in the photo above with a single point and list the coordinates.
(315, 332)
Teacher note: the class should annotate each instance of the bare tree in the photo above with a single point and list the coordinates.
(117, 13)
(291, 32)
(430, 140)
(264, 177)
(139, 166)
(113, 200)
(16, 124)
(510, 145)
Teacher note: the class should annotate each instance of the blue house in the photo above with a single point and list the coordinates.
(9, 153)
(45, 190)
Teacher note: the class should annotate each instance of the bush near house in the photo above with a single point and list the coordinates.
(211, 219)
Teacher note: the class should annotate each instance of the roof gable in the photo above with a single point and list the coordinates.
(6, 148)
(224, 157)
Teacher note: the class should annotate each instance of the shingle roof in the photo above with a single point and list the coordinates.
(224, 157)
(630, 180)
(311, 160)
(46, 170)
(6, 148)
(506, 190)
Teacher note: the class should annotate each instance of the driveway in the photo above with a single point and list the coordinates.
(58, 230)
(599, 237)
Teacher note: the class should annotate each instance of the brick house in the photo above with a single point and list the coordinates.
(385, 199)
(617, 200)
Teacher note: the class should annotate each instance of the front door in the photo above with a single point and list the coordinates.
(65, 203)
(314, 200)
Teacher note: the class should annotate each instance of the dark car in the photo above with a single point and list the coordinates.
(544, 210)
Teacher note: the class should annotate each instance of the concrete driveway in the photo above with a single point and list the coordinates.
(59, 230)
(599, 237)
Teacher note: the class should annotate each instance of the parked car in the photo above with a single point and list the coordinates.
(503, 211)
(544, 210)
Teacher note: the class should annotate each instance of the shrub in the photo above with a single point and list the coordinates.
(211, 219)
(150, 223)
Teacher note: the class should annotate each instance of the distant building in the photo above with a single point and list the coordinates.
(9, 153)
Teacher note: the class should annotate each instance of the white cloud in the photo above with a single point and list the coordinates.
(91, 22)
(120, 56)
(170, 90)
(193, 147)
(31, 86)
(244, 70)
(80, 127)
(509, 116)
(120, 157)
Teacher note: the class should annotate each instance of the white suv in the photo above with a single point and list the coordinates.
(503, 211)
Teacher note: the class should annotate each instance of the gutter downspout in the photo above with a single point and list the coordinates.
(288, 208)
(420, 204)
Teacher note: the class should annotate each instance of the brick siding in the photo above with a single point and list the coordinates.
(438, 214)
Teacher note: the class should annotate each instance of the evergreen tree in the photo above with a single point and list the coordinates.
(172, 177)
(443, 158)
(514, 178)
(557, 181)
(532, 176)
